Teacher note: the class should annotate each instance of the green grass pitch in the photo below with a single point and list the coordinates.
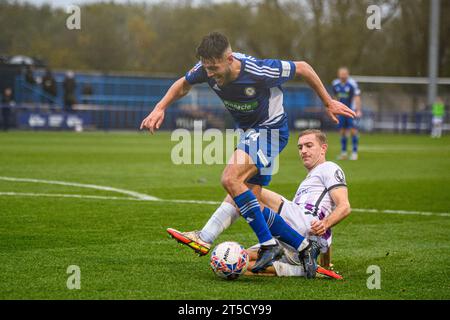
(122, 248)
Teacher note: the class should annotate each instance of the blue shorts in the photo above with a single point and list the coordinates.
(346, 123)
(263, 146)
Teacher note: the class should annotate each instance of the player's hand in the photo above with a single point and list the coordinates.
(318, 227)
(335, 108)
(358, 114)
(153, 120)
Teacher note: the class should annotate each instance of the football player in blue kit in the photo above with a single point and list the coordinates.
(346, 91)
(251, 90)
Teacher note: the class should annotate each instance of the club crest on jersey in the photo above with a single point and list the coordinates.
(339, 175)
(250, 91)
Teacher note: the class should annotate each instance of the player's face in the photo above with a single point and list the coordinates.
(311, 151)
(343, 75)
(219, 69)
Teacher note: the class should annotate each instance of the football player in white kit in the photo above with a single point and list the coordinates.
(320, 203)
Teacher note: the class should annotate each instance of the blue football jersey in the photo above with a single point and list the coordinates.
(346, 92)
(255, 98)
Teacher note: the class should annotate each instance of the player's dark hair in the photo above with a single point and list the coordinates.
(321, 136)
(212, 46)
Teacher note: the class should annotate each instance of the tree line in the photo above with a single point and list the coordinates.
(160, 38)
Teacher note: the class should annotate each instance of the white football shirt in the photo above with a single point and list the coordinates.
(313, 194)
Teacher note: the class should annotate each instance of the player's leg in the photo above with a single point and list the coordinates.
(287, 266)
(325, 259)
(200, 241)
(259, 147)
(291, 225)
(300, 219)
(355, 142)
(326, 267)
(241, 168)
(272, 201)
(224, 216)
(227, 213)
(253, 256)
(439, 127)
(434, 127)
(342, 126)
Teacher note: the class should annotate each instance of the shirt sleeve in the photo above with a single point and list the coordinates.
(196, 75)
(271, 71)
(333, 176)
(356, 90)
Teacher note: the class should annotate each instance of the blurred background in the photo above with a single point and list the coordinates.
(109, 74)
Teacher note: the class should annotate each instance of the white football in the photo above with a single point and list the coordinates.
(229, 260)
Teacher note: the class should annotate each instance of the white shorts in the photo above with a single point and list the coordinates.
(437, 121)
(295, 216)
(284, 269)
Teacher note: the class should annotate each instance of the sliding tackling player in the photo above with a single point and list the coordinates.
(320, 203)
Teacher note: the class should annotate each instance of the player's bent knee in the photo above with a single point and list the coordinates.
(228, 181)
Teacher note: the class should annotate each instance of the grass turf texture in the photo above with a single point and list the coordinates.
(123, 250)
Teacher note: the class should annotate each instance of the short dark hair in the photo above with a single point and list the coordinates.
(212, 46)
(320, 136)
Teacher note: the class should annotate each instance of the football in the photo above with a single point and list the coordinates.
(229, 260)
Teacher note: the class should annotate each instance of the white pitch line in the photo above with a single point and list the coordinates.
(61, 195)
(81, 196)
(405, 212)
(137, 195)
(401, 212)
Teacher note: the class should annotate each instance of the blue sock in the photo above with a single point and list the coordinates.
(344, 143)
(355, 141)
(251, 211)
(280, 229)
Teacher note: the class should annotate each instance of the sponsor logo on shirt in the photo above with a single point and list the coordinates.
(241, 106)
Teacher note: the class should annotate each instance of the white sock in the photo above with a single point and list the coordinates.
(303, 245)
(221, 219)
(270, 242)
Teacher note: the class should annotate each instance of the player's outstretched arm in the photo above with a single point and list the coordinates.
(342, 210)
(178, 90)
(333, 107)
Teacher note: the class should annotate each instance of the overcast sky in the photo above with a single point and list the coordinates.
(65, 3)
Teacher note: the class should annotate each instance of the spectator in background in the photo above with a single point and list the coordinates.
(438, 112)
(6, 106)
(69, 86)
(29, 76)
(49, 87)
(346, 91)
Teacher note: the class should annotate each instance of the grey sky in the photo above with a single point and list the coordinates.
(65, 3)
